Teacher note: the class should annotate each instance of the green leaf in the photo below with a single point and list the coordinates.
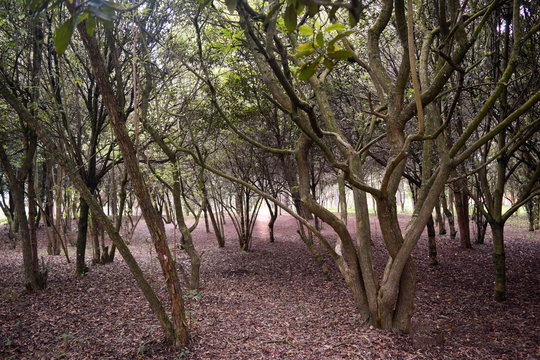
(340, 55)
(306, 47)
(332, 47)
(329, 64)
(319, 39)
(231, 5)
(290, 18)
(339, 37)
(305, 30)
(91, 26)
(307, 71)
(336, 26)
(63, 36)
(82, 17)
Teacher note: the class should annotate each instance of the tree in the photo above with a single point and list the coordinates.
(388, 304)
(20, 174)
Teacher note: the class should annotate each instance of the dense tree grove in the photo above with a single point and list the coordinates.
(174, 110)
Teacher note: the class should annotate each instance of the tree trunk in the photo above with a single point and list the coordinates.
(35, 280)
(49, 204)
(440, 219)
(96, 247)
(187, 241)
(499, 260)
(432, 242)
(82, 232)
(481, 225)
(179, 334)
(462, 210)
(208, 209)
(58, 215)
(205, 213)
(396, 295)
(449, 212)
(273, 218)
(531, 208)
(342, 198)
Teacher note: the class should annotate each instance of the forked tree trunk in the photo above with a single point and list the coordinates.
(396, 294)
(273, 209)
(448, 213)
(440, 219)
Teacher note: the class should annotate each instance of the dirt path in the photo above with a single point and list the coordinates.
(274, 303)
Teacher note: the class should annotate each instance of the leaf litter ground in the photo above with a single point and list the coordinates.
(273, 303)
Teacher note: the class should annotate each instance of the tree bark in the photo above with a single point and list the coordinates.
(440, 219)
(187, 241)
(448, 213)
(432, 242)
(82, 232)
(207, 208)
(499, 260)
(462, 210)
(58, 215)
(273, 217)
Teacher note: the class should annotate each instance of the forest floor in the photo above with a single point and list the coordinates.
(273, 303)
